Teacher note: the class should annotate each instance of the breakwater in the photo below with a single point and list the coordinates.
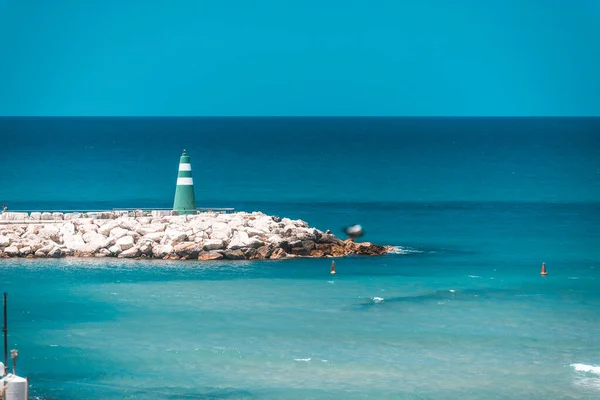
(161, 235)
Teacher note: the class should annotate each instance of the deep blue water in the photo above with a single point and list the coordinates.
(478, 204)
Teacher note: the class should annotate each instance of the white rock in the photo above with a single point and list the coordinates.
(67, 229)
(118, 232)
(36, 216)
(289, 229)
(254, 232)
(115, 249)
(155, 237)
(12, 251)
(153, 228)
(57, 216)
(213, 244)
(220, 231)
(126, 242)
(160, 251)
(130, 253)
(73, 242)
(85, 228)
(106, 228)
(175, 235)
(46, 216)
(275, 239)
(4, 241)
(240, 239)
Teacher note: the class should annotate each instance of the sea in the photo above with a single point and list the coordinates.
(459, 311)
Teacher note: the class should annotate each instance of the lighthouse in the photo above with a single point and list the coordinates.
(185, 200)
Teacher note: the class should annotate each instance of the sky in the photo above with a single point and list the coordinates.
(299, 58)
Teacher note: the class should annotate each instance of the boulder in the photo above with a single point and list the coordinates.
(88, 249)
(67, 229)
(12, 251)
(115, 250)
(73, 242)
(132, 252)
(210, 255)
(234, 255)
(46, 216)
(213, 244)
(187, 249)
(175, 235)
(25, 251)
(278, 254)
(262, 253)
(106, 228)
(55, 252)
(4, 241)
(146, 247)
(153, 236)
(39, 253)
(240, 239)
(125, 242)
(50, 232)
(118, 232)
(161, 251)
(220, 231)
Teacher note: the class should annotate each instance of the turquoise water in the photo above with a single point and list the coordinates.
(463, 313)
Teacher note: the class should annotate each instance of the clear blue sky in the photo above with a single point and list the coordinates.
(277, 57)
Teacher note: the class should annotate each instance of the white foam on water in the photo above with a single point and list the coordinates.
(473, 276)
(452, 290)
(573, 277)
(594, 369)
(402, 250)
(331, 282)
(377, 299)
(302, 359)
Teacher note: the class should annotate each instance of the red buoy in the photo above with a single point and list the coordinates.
(332, 268)
(543, 273)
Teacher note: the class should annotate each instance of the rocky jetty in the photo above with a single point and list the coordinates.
(157, 235)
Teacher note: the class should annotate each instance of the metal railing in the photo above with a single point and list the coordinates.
(130, 212)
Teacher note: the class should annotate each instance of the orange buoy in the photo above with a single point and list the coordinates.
(332, 268)
(543, 273)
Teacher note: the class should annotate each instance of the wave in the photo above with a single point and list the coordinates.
(403, 250)
(594, 369)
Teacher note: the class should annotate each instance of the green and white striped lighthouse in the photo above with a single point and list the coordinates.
(185, 200)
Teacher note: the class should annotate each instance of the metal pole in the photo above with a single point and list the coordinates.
(5, 331)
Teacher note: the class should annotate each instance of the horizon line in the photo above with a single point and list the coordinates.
(309, 116)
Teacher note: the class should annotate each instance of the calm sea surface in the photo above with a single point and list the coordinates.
(461, 313)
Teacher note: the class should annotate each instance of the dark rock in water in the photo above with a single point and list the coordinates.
(234, 255)
(285, 246)
(263, 252)
(300, 251)
(328, 238)
(278, 254)
(317, 253)
(249, 253)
